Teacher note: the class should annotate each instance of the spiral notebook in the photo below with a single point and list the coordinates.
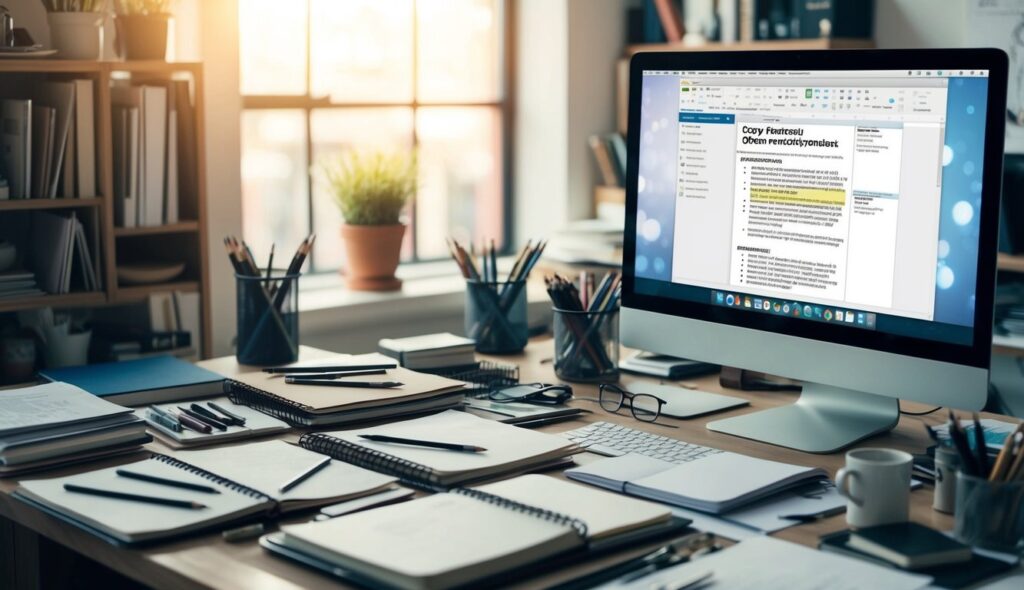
(247, 478)
(462, 537)
(510, 450)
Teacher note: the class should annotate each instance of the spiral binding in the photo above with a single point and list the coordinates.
(374, 460)
(482, 377)
(549, 515)
(268, 403)
(223, 481)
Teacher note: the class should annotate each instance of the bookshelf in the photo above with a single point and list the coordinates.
(109, 245)
(765, 45)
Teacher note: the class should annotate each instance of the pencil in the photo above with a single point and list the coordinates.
(305, 475)
(1005, 456)
(167, 482)
(133, 497)
(423, 443)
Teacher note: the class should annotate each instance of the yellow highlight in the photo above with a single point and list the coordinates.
(798, 196)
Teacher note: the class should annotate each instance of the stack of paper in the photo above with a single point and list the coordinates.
(58, 423)
(432, 351)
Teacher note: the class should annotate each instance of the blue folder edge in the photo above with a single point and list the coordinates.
(107, 379)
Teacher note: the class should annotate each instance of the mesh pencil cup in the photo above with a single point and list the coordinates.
(268, 319)
(496, 316)
(586, 345)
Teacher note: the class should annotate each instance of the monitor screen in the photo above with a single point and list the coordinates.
(847, 199)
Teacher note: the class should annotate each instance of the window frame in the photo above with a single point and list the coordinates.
(307, 103)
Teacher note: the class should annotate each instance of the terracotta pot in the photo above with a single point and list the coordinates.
(373, 252)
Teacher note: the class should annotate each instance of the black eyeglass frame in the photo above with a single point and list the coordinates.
(540, 395)
(624, 395)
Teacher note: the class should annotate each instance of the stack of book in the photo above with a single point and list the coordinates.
(18, 284)
(57, 423)
(432, 351)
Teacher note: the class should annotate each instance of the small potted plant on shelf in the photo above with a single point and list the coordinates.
(371, 189)
(142, 25)
(76, 27)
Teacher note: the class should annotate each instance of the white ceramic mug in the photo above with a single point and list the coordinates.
(876, 483)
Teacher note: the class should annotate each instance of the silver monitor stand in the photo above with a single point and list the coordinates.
(825, 419)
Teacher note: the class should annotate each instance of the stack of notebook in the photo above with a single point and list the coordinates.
(473, 536)
(332, 404)
(57, 423)
(432, 351)
(508, 449)
(128, 504)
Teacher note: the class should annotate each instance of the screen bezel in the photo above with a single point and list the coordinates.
(978, 354)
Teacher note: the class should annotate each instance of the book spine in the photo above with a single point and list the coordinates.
(267, 403)
(412, 474)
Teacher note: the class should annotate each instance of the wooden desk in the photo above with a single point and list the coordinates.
(209, 562)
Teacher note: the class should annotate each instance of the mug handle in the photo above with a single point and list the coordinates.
(843, 477)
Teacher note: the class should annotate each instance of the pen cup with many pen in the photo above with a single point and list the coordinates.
(268, 319)
(586, 345)
(496, 316)
(990, 514)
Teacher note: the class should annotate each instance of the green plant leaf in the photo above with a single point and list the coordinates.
(371, 188)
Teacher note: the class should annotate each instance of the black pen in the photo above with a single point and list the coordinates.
(239, 420)
(198, 409)
(962, 447)
(336, 375)
(70, 487)
(190, 422)
(815, 516)
(201, 418)
(333, 383)
(167, 482)
(423, 443)
(330, 368)
(980, 448)
(305, 475)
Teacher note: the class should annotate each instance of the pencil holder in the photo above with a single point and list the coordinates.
(990, 514)
(496, 316)
(586, 345)
(268, 319)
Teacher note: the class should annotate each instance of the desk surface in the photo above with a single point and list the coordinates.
(209, 562)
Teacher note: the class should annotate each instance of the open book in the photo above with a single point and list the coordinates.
(469, 535)
(247, 479)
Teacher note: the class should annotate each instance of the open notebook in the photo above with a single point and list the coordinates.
(510, 449)
(314, 405)
(248, 478)
(462, 537)
(715, 483)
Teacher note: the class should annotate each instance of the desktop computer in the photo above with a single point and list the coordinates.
(825, 216)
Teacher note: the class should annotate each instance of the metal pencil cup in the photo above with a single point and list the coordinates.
(496, 316)
(990, 514)
(268, 319)
(586, 345)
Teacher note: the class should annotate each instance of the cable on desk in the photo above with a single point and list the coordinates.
(931, 411)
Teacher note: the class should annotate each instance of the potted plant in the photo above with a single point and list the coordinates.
(371, 189)
(142, 25)
(76, 27)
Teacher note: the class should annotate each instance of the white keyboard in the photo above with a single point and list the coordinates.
(614, 440)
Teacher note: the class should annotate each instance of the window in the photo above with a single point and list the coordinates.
(320, 77)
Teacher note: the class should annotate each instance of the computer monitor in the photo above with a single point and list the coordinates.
(825, 216)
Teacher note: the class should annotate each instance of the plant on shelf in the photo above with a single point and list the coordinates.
(372, 189)
(76, 27)
(143, 25)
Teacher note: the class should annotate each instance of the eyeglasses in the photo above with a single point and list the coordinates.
(644, 406)
(533, 393)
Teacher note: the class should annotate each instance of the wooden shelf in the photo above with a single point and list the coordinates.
(1010, 262)
(140, 292)
(771, 45)
(173, 228)
(42, 66)
(91, 299)
(34, 204)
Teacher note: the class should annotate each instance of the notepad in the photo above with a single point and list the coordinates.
(247, 476)
(510, 449)
(256, 424)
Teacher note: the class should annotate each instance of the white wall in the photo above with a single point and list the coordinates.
(914, 24)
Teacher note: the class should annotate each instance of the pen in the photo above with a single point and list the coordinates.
(330, 368)
(167, 482)
(336, 375)
(815, 516)
(133, 497)
(962, 447)
(332, 383)
(200, 418)
(980, 448)
(161, 419)
(305, 475)
(198, 409)
(194, 424)
(238, 419)
(423, 443)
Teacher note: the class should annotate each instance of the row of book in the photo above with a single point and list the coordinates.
(153, 127)
(60, 254)
(166, 323)
(47, 142)
(610, 154)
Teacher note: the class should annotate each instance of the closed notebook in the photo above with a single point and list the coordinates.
(256, 424)
(459, 538)
(509, 449)
(715, 483)
(143, 381)
(909, 545)
(247, 478)
(311, 405)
